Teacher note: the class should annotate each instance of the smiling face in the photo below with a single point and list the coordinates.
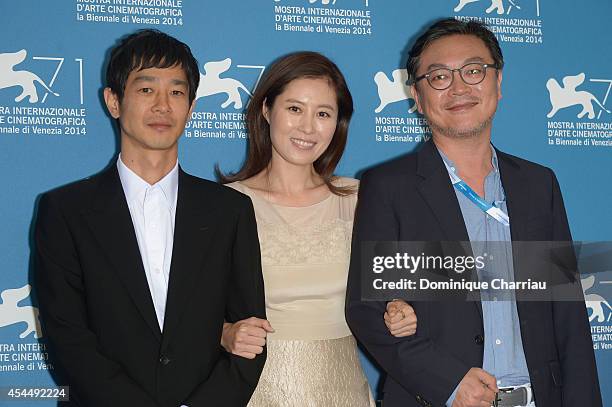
(302, 121)
(462, 110)
(154, 109)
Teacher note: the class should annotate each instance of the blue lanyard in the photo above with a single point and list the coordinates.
(461, 186)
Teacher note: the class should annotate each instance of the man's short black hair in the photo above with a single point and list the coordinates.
(150, 49)
(451, 26)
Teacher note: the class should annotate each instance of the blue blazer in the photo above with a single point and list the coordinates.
(411, 199)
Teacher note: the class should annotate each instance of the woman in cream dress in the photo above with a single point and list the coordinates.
(298, 122)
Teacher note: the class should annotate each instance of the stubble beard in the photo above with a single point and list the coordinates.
(453, 132)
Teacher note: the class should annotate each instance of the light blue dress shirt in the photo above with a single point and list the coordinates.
(503, 347)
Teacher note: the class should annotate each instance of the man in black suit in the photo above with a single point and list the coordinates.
(459, 188)
(138, 267)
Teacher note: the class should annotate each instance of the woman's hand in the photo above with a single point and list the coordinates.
(400, 319)
(246, 337)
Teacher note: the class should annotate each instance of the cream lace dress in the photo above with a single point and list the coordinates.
(312, 357)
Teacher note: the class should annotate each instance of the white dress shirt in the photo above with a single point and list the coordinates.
(153, 209)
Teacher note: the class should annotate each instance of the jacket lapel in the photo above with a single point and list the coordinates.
(191, 240)
(516, 189)
(112, 226)
(437, 190)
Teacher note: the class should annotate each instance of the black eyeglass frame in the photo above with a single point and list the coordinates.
(459, 70)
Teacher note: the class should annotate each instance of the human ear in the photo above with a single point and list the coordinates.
(112, 103)
(265, 111)
(499, 81)
(417, 99)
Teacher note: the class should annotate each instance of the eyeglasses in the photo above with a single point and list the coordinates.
(442, 78)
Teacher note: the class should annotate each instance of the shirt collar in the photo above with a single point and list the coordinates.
(451, 165)
(135, 188)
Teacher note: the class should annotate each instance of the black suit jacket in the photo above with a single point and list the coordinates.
(412, 199)
(96, 309)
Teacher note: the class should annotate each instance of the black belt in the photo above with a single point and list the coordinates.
(511, 397)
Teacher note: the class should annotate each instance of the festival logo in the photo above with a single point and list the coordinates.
(394, 90)
(9, 77)
(11, 313)
(599, 309)
(222, 95)
(28, 354)
(496, 5)
(324, 17)
(395, 121)
(515, 21)
(565, 96)
(211, 83)
(33, 103)
(157, 13)
(600, 313)
(578, 114)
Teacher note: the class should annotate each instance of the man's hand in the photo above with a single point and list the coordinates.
(245, 338)
(476, 389)
(400, 319)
